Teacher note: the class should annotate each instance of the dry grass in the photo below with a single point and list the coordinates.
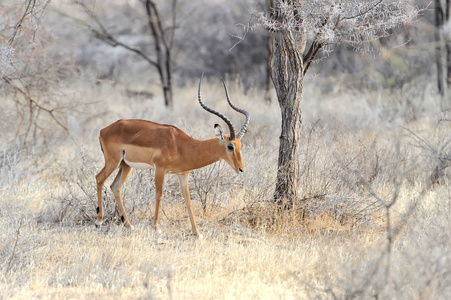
(336, 242)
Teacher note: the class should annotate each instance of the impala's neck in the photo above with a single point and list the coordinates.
(202, 153)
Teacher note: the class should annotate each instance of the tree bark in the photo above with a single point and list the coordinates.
(288, 75)
(270, 4)
(438, 49)
(448, 63)
(448, 43)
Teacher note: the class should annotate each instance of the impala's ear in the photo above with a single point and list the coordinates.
(219, 132)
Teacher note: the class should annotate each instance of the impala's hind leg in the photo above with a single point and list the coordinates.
(116, 187)
(100, 178)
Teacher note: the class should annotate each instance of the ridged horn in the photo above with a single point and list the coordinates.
(223, 117)
(244, 112)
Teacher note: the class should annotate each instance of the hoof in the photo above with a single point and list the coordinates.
(129, 226)
(200, 236)
(98, 224)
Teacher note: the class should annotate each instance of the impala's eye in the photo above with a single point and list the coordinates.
(231, 147)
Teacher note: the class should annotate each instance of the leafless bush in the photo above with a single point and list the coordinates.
(214, 184)
(9, 160)
(31, 73)
(76, 201)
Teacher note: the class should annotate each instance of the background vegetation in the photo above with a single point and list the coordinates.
(373, 217)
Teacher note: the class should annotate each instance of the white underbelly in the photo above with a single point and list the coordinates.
(138, 165)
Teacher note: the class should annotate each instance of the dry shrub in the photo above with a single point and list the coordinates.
(33, 76)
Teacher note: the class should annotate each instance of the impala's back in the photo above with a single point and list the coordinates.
(142, 144)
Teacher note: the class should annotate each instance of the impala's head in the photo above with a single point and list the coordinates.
(232, 141)
(231, 149)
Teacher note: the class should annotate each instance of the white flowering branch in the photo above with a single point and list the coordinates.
(326, 22)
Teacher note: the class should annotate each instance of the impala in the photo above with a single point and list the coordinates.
(141, 144)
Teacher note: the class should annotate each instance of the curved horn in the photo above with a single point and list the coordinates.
(244, 112)
(223, 117)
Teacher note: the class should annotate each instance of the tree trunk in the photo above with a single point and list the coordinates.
(165, 69)
(438, 49)
(448, 43)
(269, 65)
(167, 94)
(270, 4)
(448, 63)
(288, 75)
(162, 49)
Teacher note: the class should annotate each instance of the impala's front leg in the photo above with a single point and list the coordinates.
(184, 178)
(159, 182)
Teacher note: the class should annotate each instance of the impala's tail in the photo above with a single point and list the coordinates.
(100, 142)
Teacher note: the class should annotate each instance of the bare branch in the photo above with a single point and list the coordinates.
(363, 12)
(51, 112)
(104, 35)
(28, 10)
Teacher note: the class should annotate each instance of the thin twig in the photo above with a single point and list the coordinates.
(16, 241)
(42, 108)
